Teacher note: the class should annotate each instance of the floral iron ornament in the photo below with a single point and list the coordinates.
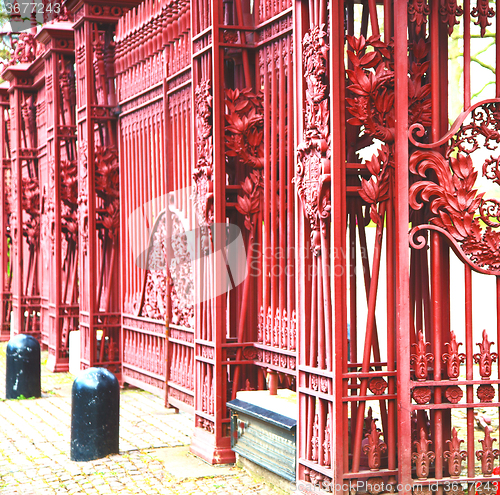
(487, 455)
(25, 49)
(468, 219)
(373, 111)
(454, 455)
(69, 198)
(449, 11)
(453, 358)
(313, 168)
(421, 358)
(244, 133)
(418, 11)
(202, 174)
(482, 11)
(31, 205)
(485, 358)
(374, 448)
(423, 457)
(107, 187)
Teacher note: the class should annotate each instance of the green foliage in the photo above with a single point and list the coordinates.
(5, 37)
(483, 73)
(22, 397)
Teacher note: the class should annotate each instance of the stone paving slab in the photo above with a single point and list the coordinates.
(153, 459)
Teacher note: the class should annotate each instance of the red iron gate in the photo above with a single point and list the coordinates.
(5, 225)
(25, 195)
(188, 116)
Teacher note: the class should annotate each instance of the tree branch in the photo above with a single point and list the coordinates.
(482, 89)
(482, 64)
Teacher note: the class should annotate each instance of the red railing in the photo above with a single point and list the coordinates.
(5, 218)
(320, 133)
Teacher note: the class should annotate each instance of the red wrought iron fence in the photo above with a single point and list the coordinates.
(320, 133)
(155, 98)
(5, 225)
(59, 196)
(25, 195)
(275, 245)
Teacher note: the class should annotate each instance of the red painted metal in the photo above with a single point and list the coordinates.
(59, 201)
(98, 182)
(154, 94)
(5, 217)
(25, 212)
(193, 115)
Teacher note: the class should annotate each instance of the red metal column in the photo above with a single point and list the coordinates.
(211, 440)
(25, 250)
(100, 321)
(5, 202)
(339, 430)
(402, 245)
(59, 271)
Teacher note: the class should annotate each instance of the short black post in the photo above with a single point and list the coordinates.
(23, 367)
(95, 415)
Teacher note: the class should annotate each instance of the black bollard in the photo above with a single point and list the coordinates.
(23, 367)
(95, 415)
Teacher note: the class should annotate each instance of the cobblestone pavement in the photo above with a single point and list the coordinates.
(35, 441)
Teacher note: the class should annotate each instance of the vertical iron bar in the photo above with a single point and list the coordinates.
(338, 282)
(469, 350)
(289, 186)
(282, 179)
(267, 189)
(391, 357)
(369, 336)
(437, 346)
(401, 208)
(466, 24)
(273, 224)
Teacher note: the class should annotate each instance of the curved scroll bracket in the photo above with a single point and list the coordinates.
(420, 242)
(419, 130)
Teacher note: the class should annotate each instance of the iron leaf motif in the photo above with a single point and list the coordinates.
(449, 11)
(374, 448)
(487, 455)
(454, 455)
(453, 358)
(421, 358)
(454, 204)
(485, 358)
(423, 457)
(372, 106)
(482, 11)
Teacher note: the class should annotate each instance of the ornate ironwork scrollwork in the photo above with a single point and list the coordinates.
(454, 455)
(423, 457)
(487, 455)
(202, 174)
(421, 358)
(453, 358)
(313, 169)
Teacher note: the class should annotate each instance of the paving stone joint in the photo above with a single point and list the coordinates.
(154, 455)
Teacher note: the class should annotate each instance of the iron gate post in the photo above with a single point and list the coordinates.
(5, 215)
(58, 279)
(25, 211)
(402, 245)
(98, 172)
